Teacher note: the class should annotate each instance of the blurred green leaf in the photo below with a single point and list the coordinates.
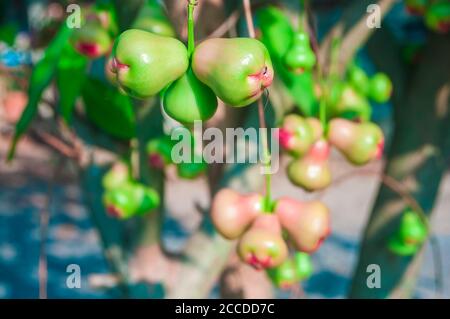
(109, 109)
(8, 33)
(41, 77)
(69, 80)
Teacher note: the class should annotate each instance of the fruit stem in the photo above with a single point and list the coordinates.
(134, 158)
(262, 122)
(191, 35)
(302, 17)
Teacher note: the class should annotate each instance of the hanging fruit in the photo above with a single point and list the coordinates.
(238, 70)
(300, 57)
(297, 134)
(360, 143)
(409, 237)
(312, 172)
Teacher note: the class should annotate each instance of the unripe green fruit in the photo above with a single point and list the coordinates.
(118, 175)
(300, 57)
(410, 235)
(303, 265)
(360, 143)
(262, 246)
(237, 70)
(145, 63)
(412, 229)
(120, 201)
(192, 170)
(312, 172)
(297, 134)
(437, 16)
(285, 275)
(188, 100)
(359, 80)
(151, 18)
(159, 151)
(307, 224)
(232, 213)
(91, 40)
(351, 104)
(416, 7)
(130, 199)
(148, 198)
(380, 88)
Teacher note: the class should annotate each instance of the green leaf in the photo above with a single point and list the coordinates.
(109, 109)
(277, 33)
(8, 33)
(41, 77)
(69, 80)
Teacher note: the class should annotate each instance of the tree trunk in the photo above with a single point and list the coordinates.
(417, 159)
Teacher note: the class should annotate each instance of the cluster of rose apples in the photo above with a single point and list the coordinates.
(304, 139)
(264, 229)
(436, 13)
(350, 97)
(125, 198)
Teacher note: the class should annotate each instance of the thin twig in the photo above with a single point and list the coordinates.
(57, 144)
(249, 18)
(226, 25)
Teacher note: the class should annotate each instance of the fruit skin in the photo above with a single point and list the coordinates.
(312, 172)
(262, 246)
(360, 143)
(411, 234)
(412, 229)
(232, 213)
(297, 134)
(349, 103)
(307, 223)
(303, 265)
(91, 40)
(118, 174)
(188, 100)
(300, 57)
(159, 151)
(437, 16)
(380, 88)
(193, 169)
(285, 275)
(130, 199)
(145, 63)
(359, 79)
(237, 70)
(99, 26)
(292, 271)
(151, 18)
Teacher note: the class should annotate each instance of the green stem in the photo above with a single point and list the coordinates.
(262, 122)
(302, 18)
(191, 35)
(323, 108)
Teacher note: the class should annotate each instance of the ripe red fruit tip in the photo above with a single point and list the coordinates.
(380, 150)
(259, 264)
(113, 212)
(156, 161)
(89, 49)
(116, 65)
(285, 138)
